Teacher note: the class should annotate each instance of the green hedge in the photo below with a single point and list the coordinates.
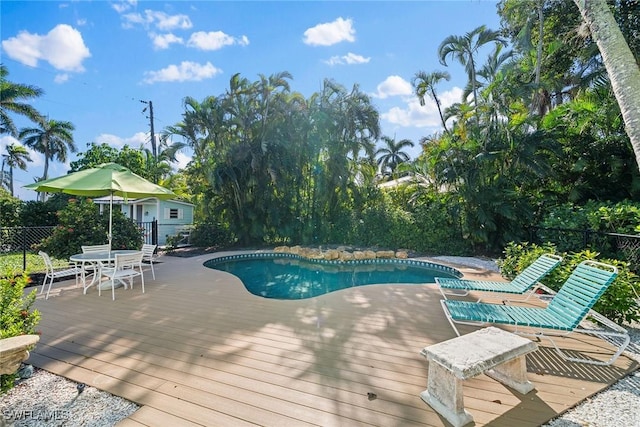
(619, 303)
(16, 315)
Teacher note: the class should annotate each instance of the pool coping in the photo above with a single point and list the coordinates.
(272, 255)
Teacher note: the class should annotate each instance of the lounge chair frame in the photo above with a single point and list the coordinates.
(527, 281)
(561, 317)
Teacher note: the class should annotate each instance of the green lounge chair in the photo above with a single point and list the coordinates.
(562, 316)
(527, 281)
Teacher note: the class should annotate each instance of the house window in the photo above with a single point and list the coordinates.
(173, 213)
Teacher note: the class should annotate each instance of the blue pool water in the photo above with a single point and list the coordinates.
(288, 276)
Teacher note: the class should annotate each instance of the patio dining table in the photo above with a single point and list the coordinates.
(97, 260)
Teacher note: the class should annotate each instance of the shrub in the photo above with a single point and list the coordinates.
(209, 234)
(619, 303)
(37, 214)
(518, 256)
(439, 229)
(430, 226)
(9, 209)
(621, 217)
(16, 316)
(80, 223)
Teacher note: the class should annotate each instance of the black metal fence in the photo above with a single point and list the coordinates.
(23, 240)
(149, 232)
(624, 247)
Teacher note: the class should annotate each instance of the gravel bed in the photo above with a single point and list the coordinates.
(46, 399)
(615, 406)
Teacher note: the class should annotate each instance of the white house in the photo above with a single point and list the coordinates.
(174, 217)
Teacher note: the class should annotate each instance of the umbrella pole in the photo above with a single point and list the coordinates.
(110, 219)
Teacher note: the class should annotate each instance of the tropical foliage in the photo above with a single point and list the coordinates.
(17, 156)
(80, 223)
(540, 124)
(273, 166)
(391, 155)
(619, 303)
(12, 100)
(52, 138)
(9, 209)
(536, 126)
(17, 317)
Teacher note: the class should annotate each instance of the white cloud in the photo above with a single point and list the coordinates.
(133, 19)
(416, 115)
(166, 22)
(123, 6)
(6, 140)
(349, 59)
(62, 47)
(183, 160)
(352, 58)
(110, 140)
(163, 41)
(61, 78)
(37, 159)
(139, 139)
(186, 71)
(135, 141)
(393, 86)
(330, 33)
(159, 20)
(214, 40)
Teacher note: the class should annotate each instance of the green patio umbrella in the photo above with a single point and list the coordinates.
(107, 179)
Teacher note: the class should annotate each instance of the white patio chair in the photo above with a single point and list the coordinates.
(96, 248)
(94, 267)
(148, 255)
(57, 272)
(126, 266)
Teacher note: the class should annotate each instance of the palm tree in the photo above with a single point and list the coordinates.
(495, 103)
(17, 156)
(11, 95)
(465, 48)
(620, 63)
(425, 84)
(52, 138)
(392, 156)
(266, 89)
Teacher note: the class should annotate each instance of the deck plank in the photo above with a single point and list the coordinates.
(198, 349)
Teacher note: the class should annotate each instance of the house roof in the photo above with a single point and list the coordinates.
(118, 200)
(396, 182)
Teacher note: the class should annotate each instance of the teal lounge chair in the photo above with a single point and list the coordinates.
(562, 316)
(527, 281)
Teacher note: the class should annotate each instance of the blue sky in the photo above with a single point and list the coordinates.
(96, 60)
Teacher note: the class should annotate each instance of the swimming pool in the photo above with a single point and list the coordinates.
(289, 276)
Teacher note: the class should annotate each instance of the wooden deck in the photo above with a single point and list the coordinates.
(198, 349)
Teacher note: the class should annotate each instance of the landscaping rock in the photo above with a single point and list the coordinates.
(385, 254)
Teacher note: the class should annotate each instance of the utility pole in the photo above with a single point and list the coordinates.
(154, 149)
